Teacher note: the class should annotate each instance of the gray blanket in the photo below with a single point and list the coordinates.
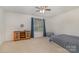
(71, 43)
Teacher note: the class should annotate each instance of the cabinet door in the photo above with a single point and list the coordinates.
(16, 36)
(27, 35)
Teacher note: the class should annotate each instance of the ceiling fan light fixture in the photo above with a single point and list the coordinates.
(42, 11)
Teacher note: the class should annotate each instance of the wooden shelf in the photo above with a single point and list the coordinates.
(21, 35)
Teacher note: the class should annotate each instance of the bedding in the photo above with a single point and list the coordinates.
(69, 42)
(48, 34)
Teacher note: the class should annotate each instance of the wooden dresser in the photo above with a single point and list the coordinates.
(21, 35)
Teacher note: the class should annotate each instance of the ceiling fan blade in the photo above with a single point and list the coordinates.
(37, 7)
(37, 10)
(48, 9)
(41, 7)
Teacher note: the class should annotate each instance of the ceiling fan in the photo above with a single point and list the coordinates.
(42, 9)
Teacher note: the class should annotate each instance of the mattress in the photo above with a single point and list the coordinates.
(69, 42)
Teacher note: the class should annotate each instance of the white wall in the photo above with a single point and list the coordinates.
(2, 26)
(13, 21)
(48, 24)
(66, 23)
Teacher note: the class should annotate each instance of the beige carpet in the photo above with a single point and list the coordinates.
(36, 45)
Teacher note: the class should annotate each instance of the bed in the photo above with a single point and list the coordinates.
(69, 42)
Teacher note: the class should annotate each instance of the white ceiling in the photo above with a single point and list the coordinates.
(31, 10)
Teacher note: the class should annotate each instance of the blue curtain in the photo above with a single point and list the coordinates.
(32, 28)
(44, 30)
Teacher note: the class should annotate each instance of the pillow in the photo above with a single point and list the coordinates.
(52, 37)
(48, 34)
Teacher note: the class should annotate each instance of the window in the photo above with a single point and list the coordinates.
(38, 25)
